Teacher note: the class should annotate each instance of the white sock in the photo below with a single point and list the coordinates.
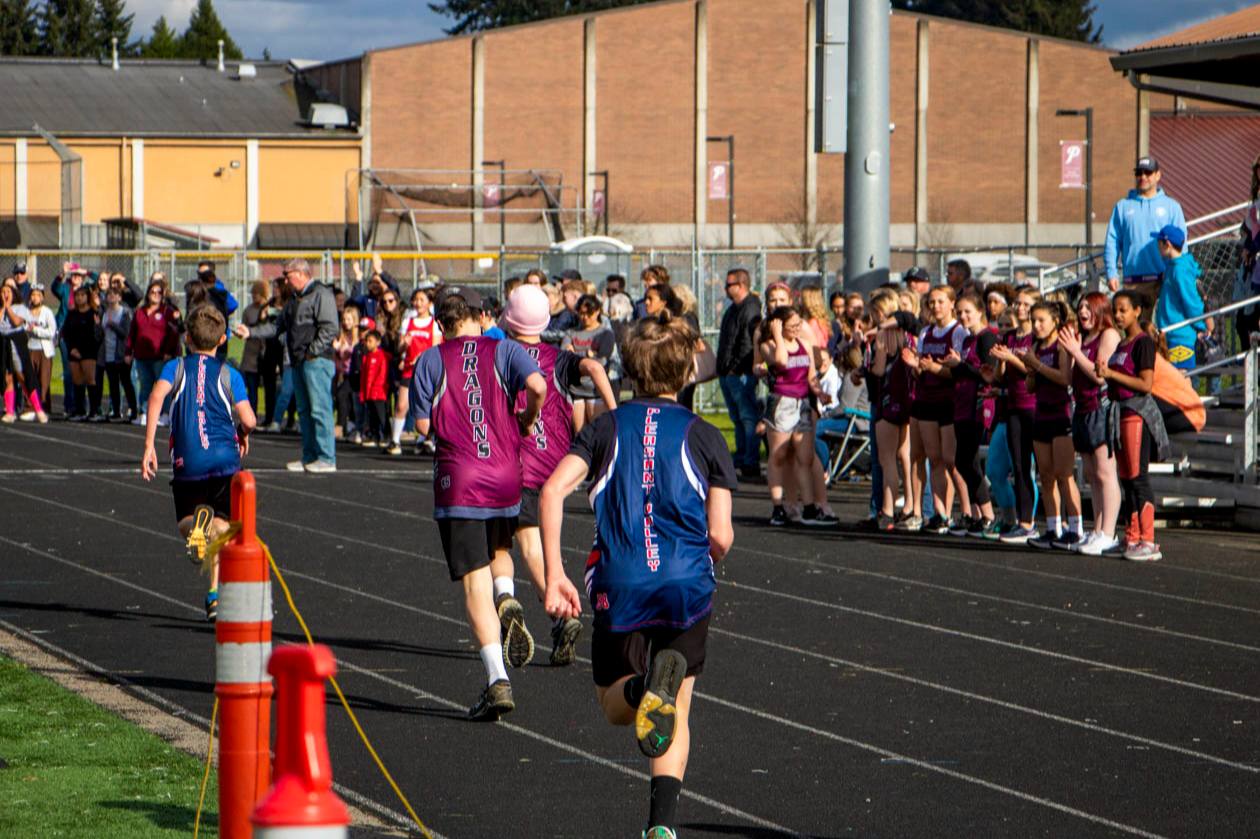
(1074, 524)
(492, 658)
(1053, 526)
(395, 429)
(502, 586)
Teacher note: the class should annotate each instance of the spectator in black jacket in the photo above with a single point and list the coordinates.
(734, 368)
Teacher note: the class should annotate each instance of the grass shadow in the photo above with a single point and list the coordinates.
(168, 816)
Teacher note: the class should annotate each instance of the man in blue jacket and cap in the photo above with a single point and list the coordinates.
(1130, 251)
(1179, 297)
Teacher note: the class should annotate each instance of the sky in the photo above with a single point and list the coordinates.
(328, 29)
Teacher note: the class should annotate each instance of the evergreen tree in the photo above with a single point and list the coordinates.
(163, 43)
(204, 32)
(1071, 19)
(112, 22)
(68, 28)
(476, 15)
(18, 33)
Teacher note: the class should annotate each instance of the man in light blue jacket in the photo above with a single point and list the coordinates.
(1130, 252)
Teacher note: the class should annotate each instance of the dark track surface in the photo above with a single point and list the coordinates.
(901, 686)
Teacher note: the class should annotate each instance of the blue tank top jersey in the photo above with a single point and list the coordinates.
(203, 436)
(650, 565)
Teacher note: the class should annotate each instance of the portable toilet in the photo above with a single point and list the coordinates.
(595, 257)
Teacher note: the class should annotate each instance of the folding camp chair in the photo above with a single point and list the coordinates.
(845, 448)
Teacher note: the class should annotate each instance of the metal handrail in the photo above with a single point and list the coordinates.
(1250, 301)
(1198, 240)
(1221, 363)
(1244, 205)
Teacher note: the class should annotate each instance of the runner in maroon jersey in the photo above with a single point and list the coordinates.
(892, 429)
(548, 439)
(466, 388)
(1020, 407)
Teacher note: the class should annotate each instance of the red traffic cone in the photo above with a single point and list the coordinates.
(301, 802)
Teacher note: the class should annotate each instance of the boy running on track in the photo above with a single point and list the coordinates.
(649, 578)
(526, 316)
(205, 445)
(466, 388)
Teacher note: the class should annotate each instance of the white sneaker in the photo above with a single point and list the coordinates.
(42, 417)
(27, 416)
(8, 418)
(164, 420)
(143, 419)
(1079, 547)
(295, 466)
(321, 467)
(1097, 544)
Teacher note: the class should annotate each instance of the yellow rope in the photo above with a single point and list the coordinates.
(293, 607)
(206, 778)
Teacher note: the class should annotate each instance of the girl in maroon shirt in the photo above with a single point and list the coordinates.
(1050, 374)
(1020, 406)
(1096, 339)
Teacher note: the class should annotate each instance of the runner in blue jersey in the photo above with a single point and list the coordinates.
(205, 444)
(660, 486)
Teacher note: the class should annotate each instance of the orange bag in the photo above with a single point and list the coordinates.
(1172, 387)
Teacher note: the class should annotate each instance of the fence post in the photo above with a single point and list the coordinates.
(940, 266)
(762, 266)
(1010, 270)
(1250, 419)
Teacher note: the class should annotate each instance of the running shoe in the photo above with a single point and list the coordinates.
(320, 467)
(274, 428)
(357, 439)
(74, 418)
(995, 529)
(9, 418)
(937, 525)
(368, 444)
(960, 526)
(870, 524)
(1043, 541)
(778, 518)
(1067, 542)
(659, 832)
(884, 524)
(1143, 552)
(518, 644)
(199, 536)
(911, 523)
(27, 416)
(212, 605)
(793, 513)
(1018, 536)
(1098, 544)
(656, 717)
(295, 466)
(42, 417)
(1089, 537)
(565, 633)
(394, 449)
(814, 516)
(164, 420)
(494, 702)
(143, 419)
(97, 418)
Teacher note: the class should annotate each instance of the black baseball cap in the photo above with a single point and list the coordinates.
(917, 273)
(570, 274)
(1146, 164)
(471, 296)
(19, 267)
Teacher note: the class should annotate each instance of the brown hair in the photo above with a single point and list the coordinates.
(260, 291)
(974, 299)
(658, 353)
(574, 285)
(657, 272)
(511, 285)
(205, 326)
(1101, 308)
(453, 311)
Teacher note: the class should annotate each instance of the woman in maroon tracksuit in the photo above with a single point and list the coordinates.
(967, 367)
(1020, 408)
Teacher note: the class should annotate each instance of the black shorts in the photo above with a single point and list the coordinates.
(1089, 431)
(941, 413)
(1046, 430)
(617, 654)
(469, 544)
(529, 508)
(214, 492)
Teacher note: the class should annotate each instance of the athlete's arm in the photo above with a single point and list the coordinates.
(535, 393)
(599, 377)
(246, 422)
(149, 462)
(721, 533)
(561, 598)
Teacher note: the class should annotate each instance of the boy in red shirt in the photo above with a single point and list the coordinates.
(374, 387)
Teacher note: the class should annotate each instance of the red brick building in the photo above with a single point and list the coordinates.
(635, 92)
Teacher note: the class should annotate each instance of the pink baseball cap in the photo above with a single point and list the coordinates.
(528, 310)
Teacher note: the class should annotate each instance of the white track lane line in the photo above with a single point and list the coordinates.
(177, 710)
(866, 668)
(1023, 648)
(848, 569)
(726, 581)
(448, 703)
(884, 754)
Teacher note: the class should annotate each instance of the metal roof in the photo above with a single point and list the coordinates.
(1205, 160)
(78, 97)
(1227, 27)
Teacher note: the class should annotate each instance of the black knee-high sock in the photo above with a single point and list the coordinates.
(665, 792)
(80, 399)
(633, 690)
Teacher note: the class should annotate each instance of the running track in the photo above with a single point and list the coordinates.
(902, 686)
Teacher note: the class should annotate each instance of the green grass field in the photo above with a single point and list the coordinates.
(77, 770)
